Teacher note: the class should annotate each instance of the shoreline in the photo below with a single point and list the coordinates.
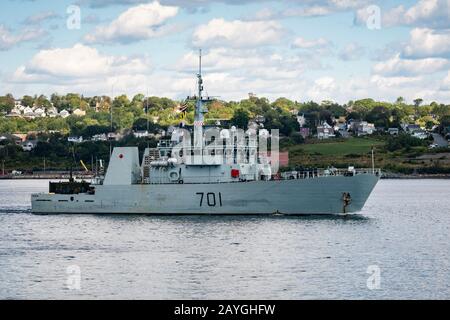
(47, 176)
(84, 175)
(415, 176)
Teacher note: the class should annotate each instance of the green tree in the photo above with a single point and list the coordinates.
(6, 103)
(240, 119)
(27, 101)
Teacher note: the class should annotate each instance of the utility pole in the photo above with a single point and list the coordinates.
(44, 166)
(3, 167)
(373, 162)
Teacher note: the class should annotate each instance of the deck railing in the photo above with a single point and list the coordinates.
(316, 173)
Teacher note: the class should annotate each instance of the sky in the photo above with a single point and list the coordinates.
(337, 50)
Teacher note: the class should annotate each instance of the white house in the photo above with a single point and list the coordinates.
(140, 134)
(64, 113)
(52, 112)
(14, 113)
(364, 128)
(79, 113)
(260, 119)
(75, 139)
(113, 136)
(325, 131)
(420, 135)
(99, 137)
(17, 103)
(28, 110)
(28, 113)
(29, 145)
(39, 112)
(393, 131)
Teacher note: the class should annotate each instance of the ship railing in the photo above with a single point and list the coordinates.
(316, 173)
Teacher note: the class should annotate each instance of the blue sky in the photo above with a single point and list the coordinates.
(299, 49)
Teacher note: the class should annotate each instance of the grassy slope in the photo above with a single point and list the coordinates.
(340, 147)
(356, 151)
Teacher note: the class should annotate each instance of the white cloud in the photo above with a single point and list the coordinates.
(40, 17)
(352, 51)
(324, 88)
(393, 82)
(310, 44)
(9, 40)
(230, 72)
(311, 8)
(220, 59)
(237, 33)
(396, 66)
(445, 85)
(141, 22)
(77, 65)
(426, 42)
(249, 63)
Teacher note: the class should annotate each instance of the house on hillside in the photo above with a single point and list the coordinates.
(29, 145)
(28, 112)
(305, 132)
(17, 103)
(259, 119)
(22, 136)
(420, 134)
(79, 113)
(364, 128)
(14, 113)
(52, 112)
(75, 139)
(411, 128)
(393, 131)
(64, 114)
(112, 136)
(10, 137)
(39, 113)
(325, 131)
(140, 133)
(99, 137)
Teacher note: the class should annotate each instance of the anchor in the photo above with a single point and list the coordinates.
(346, 199)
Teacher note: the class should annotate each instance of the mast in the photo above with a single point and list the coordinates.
(148, 120)
(111, 119)
(200, 110)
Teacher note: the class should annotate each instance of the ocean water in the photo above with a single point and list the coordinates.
(398, 247)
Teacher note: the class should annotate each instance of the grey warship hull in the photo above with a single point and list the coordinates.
(320, 195)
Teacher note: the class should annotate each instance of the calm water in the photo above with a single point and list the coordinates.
(404, 230)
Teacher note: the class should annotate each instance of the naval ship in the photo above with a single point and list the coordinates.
(168, 181)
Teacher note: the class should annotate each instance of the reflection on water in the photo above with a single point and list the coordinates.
(403, 230)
